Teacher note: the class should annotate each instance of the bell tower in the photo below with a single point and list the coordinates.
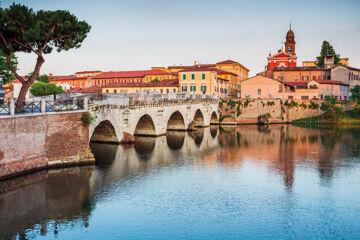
(290, 42)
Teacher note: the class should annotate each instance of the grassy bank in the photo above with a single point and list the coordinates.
(345, 118)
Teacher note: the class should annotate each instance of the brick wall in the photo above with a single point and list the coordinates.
(42, 141)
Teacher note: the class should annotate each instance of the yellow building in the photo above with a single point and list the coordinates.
(163, 87)
(87, 73)
(343, 61)
(234, 67)
(202, 80)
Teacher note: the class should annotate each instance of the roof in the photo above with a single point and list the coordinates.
(256, 76)
(93, 89)
(64, 78)
(290, 33)
(304, 84)
(348, 67)
(227, 62)
(296, 84)
(87, 72)
(198, 68)
(224, 79)
(163, 83)
(130, 74)
(223, 72)
(312, 68)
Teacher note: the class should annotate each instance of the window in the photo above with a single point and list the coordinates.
(304, 97)
(203, 89)
(192, 88)
(174, 90)
(259, 91)
(167, 90)
(314, 77)
(107, 91)
(203, 76)
(184, 88)
(192, 76)
(115, 91)
(290, 97)
(161, 91)
(184, 76)
(247, 94)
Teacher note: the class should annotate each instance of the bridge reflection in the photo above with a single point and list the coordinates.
(43, 200)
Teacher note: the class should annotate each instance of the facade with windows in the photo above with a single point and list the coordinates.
(163, 87)
(202, 80)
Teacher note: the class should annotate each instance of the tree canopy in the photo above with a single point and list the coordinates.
(5, 72)
(43, 89)
(24, 30)
(40, 78)
(355, 93)
(327, 49)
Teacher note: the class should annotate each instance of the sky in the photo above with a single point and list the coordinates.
(140, 34)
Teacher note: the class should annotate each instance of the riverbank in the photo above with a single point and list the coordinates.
(347, 118)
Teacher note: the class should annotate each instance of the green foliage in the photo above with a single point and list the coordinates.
(5, 72)
(264, 118)
(231, 103)
(44, 89)
(355, 93)
(313, 105)
(303, 105)
(41, 78)
(87, 119)
(314, 86)
(270, 103)
(326, 49)
(331, 110)
(247, 102)
(238, 110)
(222, 117)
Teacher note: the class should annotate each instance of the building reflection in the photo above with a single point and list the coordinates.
(30, 201)
(69, 194)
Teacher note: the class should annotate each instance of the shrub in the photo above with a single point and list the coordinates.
(270, 103)
(43, 89)
(87, 119)
(313, 105)
(331, 110)
(303, 105)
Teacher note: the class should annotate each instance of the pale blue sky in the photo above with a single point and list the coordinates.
(138, 34)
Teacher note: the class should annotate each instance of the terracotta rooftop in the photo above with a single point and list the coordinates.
(298, 69)
(93, 89)
(220, 71)
(164, 83)
(130, 74)
(87, 72)
(63, 78)
(332, 82)
(227, 62)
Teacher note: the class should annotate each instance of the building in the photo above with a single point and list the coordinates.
(261, 87)
(301, 74)
(283, 58)
(163, 87)
(144, 76)
(343, 61)
(203, 80)
(78, 80)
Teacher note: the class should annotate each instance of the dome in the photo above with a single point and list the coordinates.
(290, 33)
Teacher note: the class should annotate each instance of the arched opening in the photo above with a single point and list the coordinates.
(213, 131)
(104, 133)
(198, 119)
(214, 118)
(144, 147)
(104, 153)
(197, 136)
(145, 127)
(175, 140)
(176, 122)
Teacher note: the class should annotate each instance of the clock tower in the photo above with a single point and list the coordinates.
(290, 42)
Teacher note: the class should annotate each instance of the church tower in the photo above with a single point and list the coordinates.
(290, 42)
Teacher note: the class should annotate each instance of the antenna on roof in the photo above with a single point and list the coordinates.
(290, 24)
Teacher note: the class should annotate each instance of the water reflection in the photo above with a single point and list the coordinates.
(49, 203)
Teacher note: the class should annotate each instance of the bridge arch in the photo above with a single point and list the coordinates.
(214, 118)
(145, 126)
(104, 132)
(198, 119)
(176, 122)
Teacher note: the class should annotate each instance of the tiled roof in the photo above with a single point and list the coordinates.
(64, 78)
(130, 74)
(332, 82)
(220, 71)
(224, 79)
(87, 72)
(298, 69)
(296, 84)
(93, 89)
(227, 62)
(164, 83)
(198, 68)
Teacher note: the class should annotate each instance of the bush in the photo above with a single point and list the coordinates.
(313, 105)
(87, 119)
(43, 89)
(331, 110)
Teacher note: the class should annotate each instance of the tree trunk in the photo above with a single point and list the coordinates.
(26, 85)
(21, 98)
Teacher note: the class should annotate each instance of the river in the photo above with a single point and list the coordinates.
(245, 182)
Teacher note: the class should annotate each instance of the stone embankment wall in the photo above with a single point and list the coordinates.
(29, 143)
(280, 111)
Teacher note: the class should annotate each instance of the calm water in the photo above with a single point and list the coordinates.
(249, 182)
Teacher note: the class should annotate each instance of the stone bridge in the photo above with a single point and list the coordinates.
(149, 114)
